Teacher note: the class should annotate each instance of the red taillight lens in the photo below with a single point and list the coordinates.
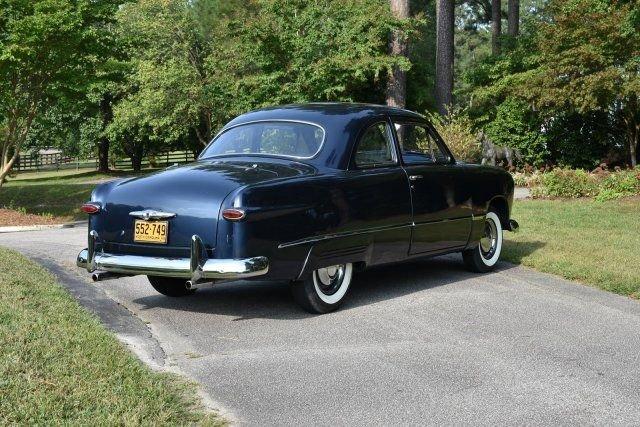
(233, 214)
(90, 208)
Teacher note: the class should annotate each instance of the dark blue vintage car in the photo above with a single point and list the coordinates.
(301, 193)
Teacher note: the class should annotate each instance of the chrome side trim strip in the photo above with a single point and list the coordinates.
(343, 234)
(304, 266)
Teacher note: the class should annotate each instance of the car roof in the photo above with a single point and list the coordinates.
(341, 121)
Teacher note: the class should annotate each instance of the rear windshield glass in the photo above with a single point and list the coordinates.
(287, 139)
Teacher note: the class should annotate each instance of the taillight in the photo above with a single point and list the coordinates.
(233, 214)
(90, 208)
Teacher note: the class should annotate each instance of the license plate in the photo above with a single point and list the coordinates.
(151, 231)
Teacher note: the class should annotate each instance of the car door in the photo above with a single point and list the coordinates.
(379, 194)
(440, 195)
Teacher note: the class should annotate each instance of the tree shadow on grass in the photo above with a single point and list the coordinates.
(515, 251)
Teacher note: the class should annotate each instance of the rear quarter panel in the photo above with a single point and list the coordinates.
(487, 185)
(317, 221)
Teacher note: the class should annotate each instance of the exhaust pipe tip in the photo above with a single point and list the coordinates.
(190, 285)
(99, 276)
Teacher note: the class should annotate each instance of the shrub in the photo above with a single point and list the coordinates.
(516, 125)
(619, 184)
(526, 179)
(602, 185)
(457, 132)
(566, 183)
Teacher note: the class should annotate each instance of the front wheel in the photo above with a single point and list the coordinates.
(324, 291)
(169, 286)
(484, 257)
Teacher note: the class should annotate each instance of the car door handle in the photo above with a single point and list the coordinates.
(414, 177)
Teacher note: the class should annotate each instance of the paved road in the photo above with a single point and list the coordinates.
(418, 343)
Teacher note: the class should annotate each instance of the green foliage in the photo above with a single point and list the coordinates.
(457, 132)
(516, 126)
(619, 184)
(575, 61)
(566, 183)
(583, 140)
(602, 186)
(49, 51)
(324, 50)
(197, 64)
(422, 55)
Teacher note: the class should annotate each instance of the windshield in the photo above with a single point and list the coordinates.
(274, 138)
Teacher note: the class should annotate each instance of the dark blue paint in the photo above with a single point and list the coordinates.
(320, 210)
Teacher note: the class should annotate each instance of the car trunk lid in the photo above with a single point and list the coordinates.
(194, 193)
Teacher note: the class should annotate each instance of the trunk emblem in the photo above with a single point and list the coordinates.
(148, 214)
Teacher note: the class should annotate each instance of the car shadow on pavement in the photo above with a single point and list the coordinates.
(272, 300)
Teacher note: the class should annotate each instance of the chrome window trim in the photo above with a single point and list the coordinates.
(434, 134)
(324, 137)
(390, 135)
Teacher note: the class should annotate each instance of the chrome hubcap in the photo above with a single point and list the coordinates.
(489, 241)
(329, 279)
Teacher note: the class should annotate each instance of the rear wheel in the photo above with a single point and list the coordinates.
(170, 286)
(324, 291)
(484, 257)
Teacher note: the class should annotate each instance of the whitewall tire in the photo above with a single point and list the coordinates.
(484, 257)
(325, 290)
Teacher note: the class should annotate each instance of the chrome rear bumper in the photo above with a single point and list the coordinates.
(197, 268)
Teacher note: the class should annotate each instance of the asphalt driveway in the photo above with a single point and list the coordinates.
(420, 343)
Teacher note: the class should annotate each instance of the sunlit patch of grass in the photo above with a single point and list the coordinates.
(597, 243)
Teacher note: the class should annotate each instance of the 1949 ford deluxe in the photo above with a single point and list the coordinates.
(301, 193)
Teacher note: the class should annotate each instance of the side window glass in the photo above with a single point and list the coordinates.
(375, 147)
(418, 145)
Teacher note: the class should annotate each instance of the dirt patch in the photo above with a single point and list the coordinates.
(12, 217)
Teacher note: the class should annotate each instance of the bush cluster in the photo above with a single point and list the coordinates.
(601, 184)
(457, 130)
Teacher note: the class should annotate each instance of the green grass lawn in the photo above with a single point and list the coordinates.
(58, 365)
(54, 194)
(597, 243)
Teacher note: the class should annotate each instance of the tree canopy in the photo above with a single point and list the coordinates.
(138, 77)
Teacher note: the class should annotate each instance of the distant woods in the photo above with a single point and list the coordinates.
(557, 80)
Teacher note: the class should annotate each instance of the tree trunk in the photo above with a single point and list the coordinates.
(103, 144)
(445, 17)
(13, 140)
(631, 120)
(513, 20)
(496, 26)
(397, 84)
(634, 135)
(136, 162)
(103, 154)
(6, 168)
